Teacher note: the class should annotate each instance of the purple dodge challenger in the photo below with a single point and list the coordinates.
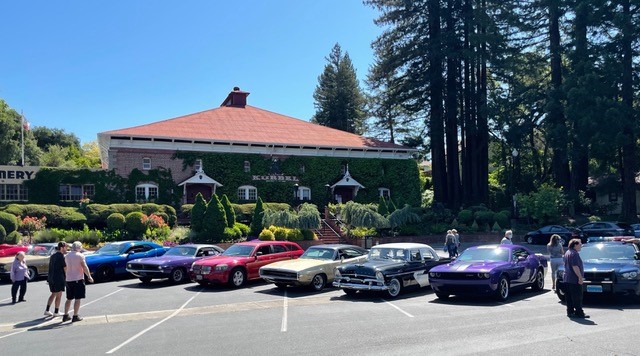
(174, 264)
(490, 270)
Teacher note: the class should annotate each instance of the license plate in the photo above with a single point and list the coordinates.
(198, 277)
(594, 289)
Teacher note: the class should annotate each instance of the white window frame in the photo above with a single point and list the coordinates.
(197, 166)
(303, 193)
(146, 163)
(382, 191)
(147, 192)
(247, 192)
(247, 166)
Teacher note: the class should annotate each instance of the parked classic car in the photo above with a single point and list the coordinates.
(36, 257)
(490, 270)
(389, 268)
(242, 261)
(314, 268)
(609, 268)
(174, 264)
(111, 259)
(7, 250)
(543, 235)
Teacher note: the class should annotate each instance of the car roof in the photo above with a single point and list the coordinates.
(493, 246)
(334, 246)
(402, 245)
(260, 242)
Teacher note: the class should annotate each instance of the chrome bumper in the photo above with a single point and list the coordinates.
(360, 286)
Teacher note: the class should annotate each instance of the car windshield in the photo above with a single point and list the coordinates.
(239, 250)
(485, 255)
(318, 253)
(384, 253)
(38, 250)
(181, 251)
(109, 249)
(608, 252)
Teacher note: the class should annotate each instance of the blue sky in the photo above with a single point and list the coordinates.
(93, 66)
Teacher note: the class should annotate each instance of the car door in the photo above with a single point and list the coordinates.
(262, 256)
(522, 266)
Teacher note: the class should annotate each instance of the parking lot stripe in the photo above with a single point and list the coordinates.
(108, 295)
(400, 310)
(285, 307)
(154, 325)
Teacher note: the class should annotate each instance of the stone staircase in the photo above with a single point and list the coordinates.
(329, 233)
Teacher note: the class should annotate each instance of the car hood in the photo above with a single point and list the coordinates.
(7, 260)
(602, 265)
(163, 260)
(298, 264)
(216, 260)
(98, 258)
(469, 266)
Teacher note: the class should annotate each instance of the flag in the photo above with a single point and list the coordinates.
(25, 124)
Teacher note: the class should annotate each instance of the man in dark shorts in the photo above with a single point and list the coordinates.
(56, 278)
(76, 270)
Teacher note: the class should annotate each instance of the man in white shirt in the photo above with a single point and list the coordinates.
(76, 270)
(506, 240)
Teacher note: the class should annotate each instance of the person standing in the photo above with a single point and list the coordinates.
(573, 279)
(56, 278)
(19, 275)
(76, 290)
(554, 247)
(457, 239)
(450, 243)
(506, 240)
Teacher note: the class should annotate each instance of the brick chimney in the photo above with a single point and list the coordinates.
(236, 98)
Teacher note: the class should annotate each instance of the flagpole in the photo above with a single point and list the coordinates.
(22, 136)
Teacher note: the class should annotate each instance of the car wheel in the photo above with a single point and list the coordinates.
(529, 240)
(349, 292)
(318, 282)
(237, 277)
(502, 293)
(104, 274)
(538, 283)
(177, 275)
(442, 296)
(145, 280)
(33, 273)
(560, 293)
(394, 288)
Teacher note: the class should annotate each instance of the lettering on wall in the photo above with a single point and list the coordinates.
(275, 178)
(17, 174)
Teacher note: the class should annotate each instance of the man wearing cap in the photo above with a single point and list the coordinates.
(56, 278)
(76, 270)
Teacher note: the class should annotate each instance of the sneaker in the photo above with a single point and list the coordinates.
(56, 315)
(66, 318)
(76, 318)
(48, 313)
(21, 300)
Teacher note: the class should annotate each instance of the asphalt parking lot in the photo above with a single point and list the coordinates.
(124, 317)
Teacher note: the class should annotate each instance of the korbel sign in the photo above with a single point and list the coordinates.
(17, 174)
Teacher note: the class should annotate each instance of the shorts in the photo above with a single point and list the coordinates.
(57, 286)
(556, 262)
(76, 289)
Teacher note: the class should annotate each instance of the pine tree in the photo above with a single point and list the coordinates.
(382, 207)
(197, 213)
(256, 222)
(228, 210)
(214, 221)
(339, 101)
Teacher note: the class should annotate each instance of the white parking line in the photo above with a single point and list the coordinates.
(93, 301)
(4, 300)
(154, 325)
(285, 307)
(400, 310)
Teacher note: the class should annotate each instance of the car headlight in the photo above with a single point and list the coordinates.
(337, 273)
(630, 275)
(128, 265)
(160, 267)
(379, 276)
(222, 267)
(434, 274)
(483, 275)
(206, 269)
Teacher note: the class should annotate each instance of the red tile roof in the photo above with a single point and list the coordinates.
(250, 125)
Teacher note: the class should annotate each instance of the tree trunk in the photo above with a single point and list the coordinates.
(453, 170)
(629, 209)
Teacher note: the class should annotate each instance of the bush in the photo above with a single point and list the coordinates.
(545, 205)
(439, 228)
(294, 235)
(361, 232)
(63, 217)
(13, 238)
(244, 229)
(49, 235)
(115, 221)
(280, 233)
(3, 234)
(266, 235)
(496, 227)
(465, 217)
(484, 217)
(230, 234)
(501, 219)
(9, 222)
(308, 235)
(134, 224)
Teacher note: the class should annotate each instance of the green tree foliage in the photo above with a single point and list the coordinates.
(197, 213)
(360, 215)
(214, 220)
(544, 206)
(401, 217)
(308, 217)
(382, 206)
(9, 222)
(228, 210)
(116, 221)
(280, 218)
(256, 222)
(339, 101)
(47, 137)
(10, 139)
(134, 224)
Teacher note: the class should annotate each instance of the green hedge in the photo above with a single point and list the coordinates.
(57, 216)
(8, 221)
(97, 214)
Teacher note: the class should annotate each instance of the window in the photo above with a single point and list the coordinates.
(247, 166)
(247, 192)
(13, 192)
(303, 193)
(279, 249)
(384, 192)
(302, 169)
(76, 192)
(263, 250)
(146, 163)
(613, 197)
(146, 192)
(198, 165)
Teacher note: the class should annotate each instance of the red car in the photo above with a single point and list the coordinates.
(242, 261)
(12, 250)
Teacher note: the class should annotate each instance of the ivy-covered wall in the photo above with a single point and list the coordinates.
(400, 176)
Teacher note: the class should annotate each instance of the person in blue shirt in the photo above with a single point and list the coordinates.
(573, 279)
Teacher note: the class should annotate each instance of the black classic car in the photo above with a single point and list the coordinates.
(389, 268)
(609, 268)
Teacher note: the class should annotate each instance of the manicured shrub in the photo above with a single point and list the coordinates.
(3, 234)
(134, 223)
(256, 222)
(214, 221)
(501, 219)
(266, 235)
(308, 235)
(115, 221)
(49, 235)
(280, 233)
(382, 207)
(465, 217)
(197, 213)
(13, 238)
(228, 211)
(231, 234)
(484, 217)
(496, 227)
(164, 217)
(294, 235)
(9, 222)
(151, 208)
(244, 229)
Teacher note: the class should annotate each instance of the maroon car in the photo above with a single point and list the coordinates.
(12, 250)
(242, 262)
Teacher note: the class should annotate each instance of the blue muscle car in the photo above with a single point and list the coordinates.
(609, 268)
(111, 259)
